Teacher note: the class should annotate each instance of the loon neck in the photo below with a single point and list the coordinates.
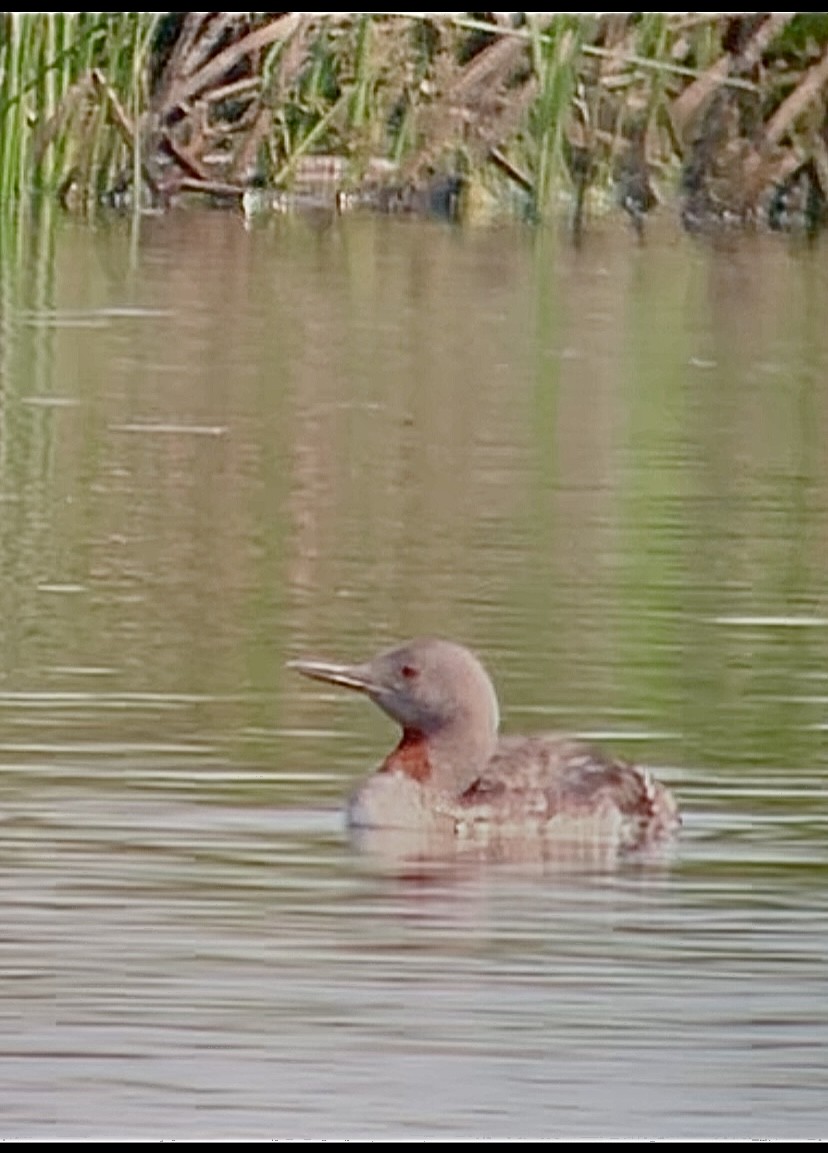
(450, 759)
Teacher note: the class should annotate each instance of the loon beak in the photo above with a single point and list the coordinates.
(358, 677)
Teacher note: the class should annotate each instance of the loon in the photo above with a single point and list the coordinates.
(452, 773)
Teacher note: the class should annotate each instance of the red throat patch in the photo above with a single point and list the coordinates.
(410, 757)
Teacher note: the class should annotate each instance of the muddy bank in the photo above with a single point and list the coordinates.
(723, 116)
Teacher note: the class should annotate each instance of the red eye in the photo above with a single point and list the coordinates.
(409, 671)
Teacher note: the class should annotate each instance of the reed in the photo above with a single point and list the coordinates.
(555, 62)
(58, 73)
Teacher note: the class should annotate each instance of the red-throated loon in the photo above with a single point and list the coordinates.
(452, 773)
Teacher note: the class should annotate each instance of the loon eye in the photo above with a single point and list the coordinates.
(409, 672)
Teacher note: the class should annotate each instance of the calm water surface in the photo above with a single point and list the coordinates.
(607, 471)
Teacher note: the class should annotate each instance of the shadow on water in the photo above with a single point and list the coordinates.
(603, 469)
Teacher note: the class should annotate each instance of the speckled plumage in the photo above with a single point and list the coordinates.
(550, 783)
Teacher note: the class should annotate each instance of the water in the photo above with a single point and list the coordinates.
(605, 470)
